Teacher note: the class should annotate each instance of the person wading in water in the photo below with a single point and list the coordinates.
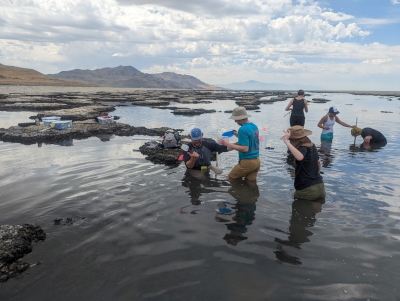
(299, 106)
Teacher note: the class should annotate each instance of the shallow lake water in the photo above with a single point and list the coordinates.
(137, 236)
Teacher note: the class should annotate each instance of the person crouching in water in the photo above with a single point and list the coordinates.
(328, 121)
(370, 136)
(308, 181)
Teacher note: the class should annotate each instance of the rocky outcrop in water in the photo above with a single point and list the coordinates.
(80, 130)
(156, 153)
(15, 243)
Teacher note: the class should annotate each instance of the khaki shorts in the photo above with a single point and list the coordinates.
(246, 168)
(313, 193)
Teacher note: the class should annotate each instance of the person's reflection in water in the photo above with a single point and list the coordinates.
(325, 152)
(373, 147)
(198, 183)
(302, 219)
(290, 160)
(246, 194)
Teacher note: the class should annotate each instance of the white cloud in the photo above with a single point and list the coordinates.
(331, 16)
(213, 39)
(377, 61)
(395, 1)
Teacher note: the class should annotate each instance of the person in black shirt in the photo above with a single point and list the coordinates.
(370, 136)
(299, 104)
(308, 181)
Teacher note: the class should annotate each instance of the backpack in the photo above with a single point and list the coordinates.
(171, 139)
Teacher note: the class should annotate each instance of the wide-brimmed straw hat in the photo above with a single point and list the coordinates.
(297, 132)
(239, 113)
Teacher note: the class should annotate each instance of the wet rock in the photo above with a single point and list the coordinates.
(320, 100)
(191, 112)
(80, 130)
(156, 153)
(15, 243)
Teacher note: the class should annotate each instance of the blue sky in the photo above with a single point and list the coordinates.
(333, 44)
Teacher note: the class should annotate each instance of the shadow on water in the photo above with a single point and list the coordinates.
(302, 219)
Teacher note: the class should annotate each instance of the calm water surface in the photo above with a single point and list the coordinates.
(137, 235)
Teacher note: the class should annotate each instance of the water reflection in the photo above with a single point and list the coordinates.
(302, 219)
(290, 160)
(199, 183)
(246, 194)
(366, 147)
(325, 151)
(105, 137)
(69, 142)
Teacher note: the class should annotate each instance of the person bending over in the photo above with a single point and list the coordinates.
(370, 136)
(199, 155)
(308, 181)
(299, 106)
(328, 121)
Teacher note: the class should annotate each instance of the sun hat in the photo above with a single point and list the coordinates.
(356, 131)
(239, 113)
(297, 132)
(196, 134)
(333, 110)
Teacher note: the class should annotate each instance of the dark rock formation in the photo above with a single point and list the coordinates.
(15, 242)
(191, 112)
(156, 153)
(80, 130)
(320, 100)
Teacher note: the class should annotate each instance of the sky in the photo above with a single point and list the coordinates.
(332, 44)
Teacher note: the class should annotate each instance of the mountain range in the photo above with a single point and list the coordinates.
(255, 85)
(130, 77)
(10, 75)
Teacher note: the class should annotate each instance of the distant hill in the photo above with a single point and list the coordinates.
(255, 85)
(130, 77)
(10, 75)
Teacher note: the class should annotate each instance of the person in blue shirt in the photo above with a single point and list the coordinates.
(247, 146)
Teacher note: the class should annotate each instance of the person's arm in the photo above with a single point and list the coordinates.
(289, 105)
(321, 122)
(235, 146)
(193, 157)
(367, 139)
(305, 106)
(344, 123)
(319, 166)
(296, 153)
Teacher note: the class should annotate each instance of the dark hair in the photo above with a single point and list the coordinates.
(301, 92)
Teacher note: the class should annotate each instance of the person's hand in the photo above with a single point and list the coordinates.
(326, 127)
(193, 155)
(235, 133)
(223, 142)
(287, 135)
(353, 126)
